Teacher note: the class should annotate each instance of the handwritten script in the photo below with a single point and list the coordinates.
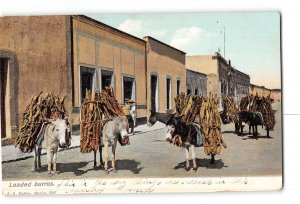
(143, 185)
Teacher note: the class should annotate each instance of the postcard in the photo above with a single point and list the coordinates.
(141, 103)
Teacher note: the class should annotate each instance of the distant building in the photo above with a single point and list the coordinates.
(276, 94)
(196, 83)
(166, 74)
(262, 91)
(222, 79)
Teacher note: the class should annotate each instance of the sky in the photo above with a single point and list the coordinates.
(252, 39)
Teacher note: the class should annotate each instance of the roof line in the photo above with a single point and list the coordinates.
(195, 71)
(164, 44)
(110, 27)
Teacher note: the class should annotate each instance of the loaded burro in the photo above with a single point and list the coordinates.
(195, 123)
(252, 110)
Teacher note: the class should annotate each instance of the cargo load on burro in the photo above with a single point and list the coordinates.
(196, 123)
(103, 124)
(261, 106)
(44, 125)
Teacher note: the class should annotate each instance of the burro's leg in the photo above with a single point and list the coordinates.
(95, 161)
(113, 156)
(49, 160)
(194, 158)
(54, 161)
(187, 159)
(106, 156)
(100, 154)
(35, 159)
(212, 160)
(39, 158)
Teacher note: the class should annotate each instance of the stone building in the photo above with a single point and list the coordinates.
(66, 55)
(242, 82)
(166, 75)
(196, 83)
(222, 79)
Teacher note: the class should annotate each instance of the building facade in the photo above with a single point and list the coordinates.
(196, 83)
(166, 75)
(222, 79)
(103, 56)
(35, 56)
(66, 55)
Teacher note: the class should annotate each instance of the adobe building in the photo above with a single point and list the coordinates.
(166, 75)
(66, 55)
(196, 83)
(222, 79)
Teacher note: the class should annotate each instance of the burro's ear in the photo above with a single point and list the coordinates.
(178, 117)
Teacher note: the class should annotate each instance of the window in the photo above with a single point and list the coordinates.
(189, 91)
(86, 81)
(106, 78)
(128, 88)
(196, 91)
(168, 86)
(178, 87)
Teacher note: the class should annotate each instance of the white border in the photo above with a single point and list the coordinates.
(291, 72)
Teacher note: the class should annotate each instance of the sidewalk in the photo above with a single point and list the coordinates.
(10, 153)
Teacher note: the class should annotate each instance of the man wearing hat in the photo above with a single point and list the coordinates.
(130, 112)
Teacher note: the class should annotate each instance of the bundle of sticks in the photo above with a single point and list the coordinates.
(230, 108)
(262, 105)
(204, 111)
(37, 112)
(95, 110)
(211, 126)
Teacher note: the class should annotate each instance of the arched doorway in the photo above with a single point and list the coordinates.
(9, 74)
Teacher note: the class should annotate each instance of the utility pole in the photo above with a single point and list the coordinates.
(224, 42)
(224, 39)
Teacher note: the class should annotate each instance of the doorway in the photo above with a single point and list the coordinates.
(86, 81)
(128, 88)
(106, 79)
(168, 93)
(154, 92)
(3, 95)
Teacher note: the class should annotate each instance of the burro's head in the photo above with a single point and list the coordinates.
(62, 132)
(122, 128)
(170, 132)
